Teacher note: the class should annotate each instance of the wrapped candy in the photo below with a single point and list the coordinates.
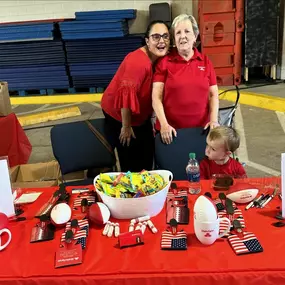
(148, 188)
(108, 189)
(158, 180)
(98, 186)
(118, 179)
(124, 181)
(121, 191)
(130, 185)
(136, 181)
(105, 178)
(139, 194)
(120, 188)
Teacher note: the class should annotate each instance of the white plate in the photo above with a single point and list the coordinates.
(28, 198)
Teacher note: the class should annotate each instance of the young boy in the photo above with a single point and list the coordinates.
(221, 143)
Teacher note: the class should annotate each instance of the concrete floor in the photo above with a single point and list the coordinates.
(277, 90)
(262, 135)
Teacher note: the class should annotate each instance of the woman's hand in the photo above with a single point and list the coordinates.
(166, 133)
(212, 125)
(126, 135)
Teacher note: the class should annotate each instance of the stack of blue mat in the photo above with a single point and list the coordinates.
(93, 63)
(28, 32)
(98, 24)
(96, 44)
(33, 65)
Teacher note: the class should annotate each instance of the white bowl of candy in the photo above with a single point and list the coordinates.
(131, 195)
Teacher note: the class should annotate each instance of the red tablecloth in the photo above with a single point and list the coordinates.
(13, 141)
(104, 263)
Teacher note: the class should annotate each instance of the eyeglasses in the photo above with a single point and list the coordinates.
(157, 37)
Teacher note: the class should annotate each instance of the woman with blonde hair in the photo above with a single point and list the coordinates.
(185, 92)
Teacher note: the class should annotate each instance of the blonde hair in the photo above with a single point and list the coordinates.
(228, 135)
(185, 17)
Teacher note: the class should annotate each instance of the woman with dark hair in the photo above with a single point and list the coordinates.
(127, 103)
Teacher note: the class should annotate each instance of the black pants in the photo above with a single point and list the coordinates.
(139, 155)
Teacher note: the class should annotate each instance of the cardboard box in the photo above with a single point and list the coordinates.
(35, 175)
(74, 176)
(40, 175)
(5, 103)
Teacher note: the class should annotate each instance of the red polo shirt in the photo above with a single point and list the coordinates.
(231, 167)
(130, 88)
(186, 89)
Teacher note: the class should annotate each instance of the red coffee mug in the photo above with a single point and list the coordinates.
(3, 221)
(3, 229)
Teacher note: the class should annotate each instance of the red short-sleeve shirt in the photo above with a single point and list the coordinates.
(131, 88)
(186, 89)
(231, 167)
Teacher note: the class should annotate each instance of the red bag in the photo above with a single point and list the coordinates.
(14, 142)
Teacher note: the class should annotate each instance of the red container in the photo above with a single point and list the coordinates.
(238, 58)
(239, 15)
(222, 60)
(217, 23)
(221, 24)
(218, 50)
(216, 6)
(225, 80)
(224, 70)
(223, 39)
(220, 56)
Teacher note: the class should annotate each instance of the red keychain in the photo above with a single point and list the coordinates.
(243, 242)
(172, 239)
(76, 225)
(80, 237)
(70, 252)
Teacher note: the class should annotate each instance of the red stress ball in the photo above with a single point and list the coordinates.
(99, 214)
(3, 221)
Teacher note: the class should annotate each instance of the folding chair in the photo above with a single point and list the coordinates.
(160, 11)
(76, 147)
(174, 157)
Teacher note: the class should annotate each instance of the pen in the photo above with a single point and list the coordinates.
(254, 201)
(266, 202)
(270, 197)
(263, 201)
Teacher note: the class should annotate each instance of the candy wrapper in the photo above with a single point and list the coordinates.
(136, 180)
(130, 185)
(106, 178)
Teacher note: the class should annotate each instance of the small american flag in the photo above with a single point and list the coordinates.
(79, 236)
(246, 244)
(77, 201)
(82, 225)
(174, 242)
(236, 216)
